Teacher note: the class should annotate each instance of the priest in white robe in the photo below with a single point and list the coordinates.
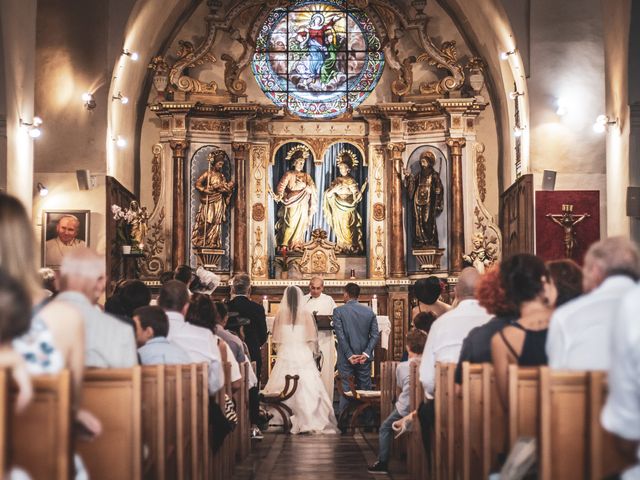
(322, 304)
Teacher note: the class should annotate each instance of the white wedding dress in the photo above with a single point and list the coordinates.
(311, 406)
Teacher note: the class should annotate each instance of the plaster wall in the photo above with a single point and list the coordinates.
(616, 16)
(3, 122)
(567, 47)
(17, 23)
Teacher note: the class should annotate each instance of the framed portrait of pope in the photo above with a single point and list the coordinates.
(62, 231)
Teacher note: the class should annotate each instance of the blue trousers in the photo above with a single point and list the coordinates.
(386, 436)
(362, 374)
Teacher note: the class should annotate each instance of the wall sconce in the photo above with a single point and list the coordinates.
(602, 122)
(514, 95)
(42, 190)
(89, 100)
(121, 142)
(123, 100)
(562, 107)
(33, 129)
(505, 55)
(132, 55)
(518, 131)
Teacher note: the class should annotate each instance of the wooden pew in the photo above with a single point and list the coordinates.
(523, 415)
(417, 461)
(183, 417)
(444, 421)
(244, 423)
(171, 420)
(115, 397)
(388, 388)
(223, 461)
(41, 437)
(5, 409)
(573, 443)
(153, 421)
(202, 412)
(483, 422)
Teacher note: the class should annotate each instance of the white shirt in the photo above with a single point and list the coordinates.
(201, 346)
(235, 367)
(621, 414)
(323, 304)
(445, 339)
(579, 331)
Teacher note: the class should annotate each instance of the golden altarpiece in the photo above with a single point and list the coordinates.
(221, 140)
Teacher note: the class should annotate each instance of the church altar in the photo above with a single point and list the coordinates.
(291, 159)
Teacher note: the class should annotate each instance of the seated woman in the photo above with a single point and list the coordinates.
(566, 275)
(427, 291)
(527, 285)
(15, 314)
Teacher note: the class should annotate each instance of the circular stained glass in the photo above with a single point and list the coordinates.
(318, 58)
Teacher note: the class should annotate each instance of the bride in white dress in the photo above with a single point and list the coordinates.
(296, 336)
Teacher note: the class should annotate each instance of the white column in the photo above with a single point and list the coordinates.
(18, 25)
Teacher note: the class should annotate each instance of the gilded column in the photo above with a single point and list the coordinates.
(457, 203)
(397, 264)
(179, 224)
(240, 210)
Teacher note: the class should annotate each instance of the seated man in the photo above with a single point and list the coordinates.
(109, 343)
(416, 340)
(152, 328)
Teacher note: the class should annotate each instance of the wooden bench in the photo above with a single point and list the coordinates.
(115, 397)
(388, 387)
(171, 420)
(153, 421)
(242, 407)
(417, 461)
(572, 442)
(41, 441)
(444, 421)
(523, 411)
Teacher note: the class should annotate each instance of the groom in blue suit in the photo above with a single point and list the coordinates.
(356, 328)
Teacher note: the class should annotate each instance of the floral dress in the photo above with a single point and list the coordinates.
(38, 350)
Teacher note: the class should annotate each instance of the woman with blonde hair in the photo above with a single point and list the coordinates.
(55, 338)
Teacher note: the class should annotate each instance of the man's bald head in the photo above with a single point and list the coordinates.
(83, 270)
(316, 286)
(466, 287)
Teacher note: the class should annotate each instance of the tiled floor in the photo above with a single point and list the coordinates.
(314, 457)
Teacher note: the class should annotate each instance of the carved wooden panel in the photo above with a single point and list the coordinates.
(398, 311)
(517, 217)
(116, 194)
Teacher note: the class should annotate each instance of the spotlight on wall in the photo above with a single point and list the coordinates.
(42, 190)
(518, 131)
(514, 95)
(121, 142)
(33, 128)
(505, 55)
(563, 107)
(602, 123)
(123, 100)
(89, 100)
(132, 55)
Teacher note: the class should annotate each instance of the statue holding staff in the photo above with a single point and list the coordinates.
(215, 191)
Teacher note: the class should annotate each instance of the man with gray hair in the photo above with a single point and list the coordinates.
(450, 329)
(109, 343)
(255, 335)
(580, 330)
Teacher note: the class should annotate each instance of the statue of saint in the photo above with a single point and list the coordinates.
(340, 206)
(567, 220)
(427, 194)
(479, 257)
(215, 191)
(297, 194)
(139, 223)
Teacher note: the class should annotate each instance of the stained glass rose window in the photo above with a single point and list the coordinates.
(318, 58)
